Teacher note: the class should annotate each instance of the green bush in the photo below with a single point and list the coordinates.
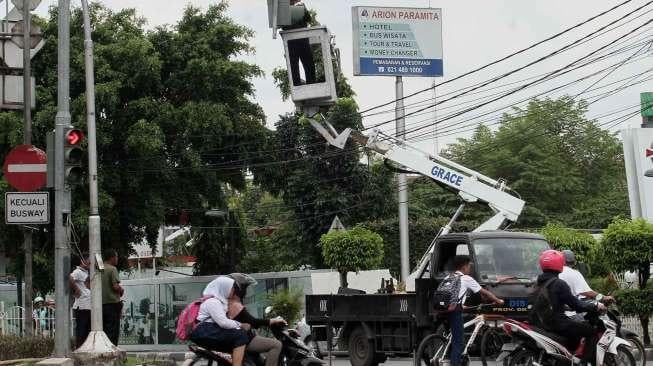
(628, 244)
(352, 251)
(14, 348)
(580, 242)
(635, 302)
(603, 285)
(287, 304)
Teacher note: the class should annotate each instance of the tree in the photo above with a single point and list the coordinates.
(628, 245)
(176, 121)
(352, 250)
(563, 165)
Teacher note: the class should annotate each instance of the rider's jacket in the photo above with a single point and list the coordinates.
(559, 296)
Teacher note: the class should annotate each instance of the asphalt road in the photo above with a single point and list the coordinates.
(390, 361)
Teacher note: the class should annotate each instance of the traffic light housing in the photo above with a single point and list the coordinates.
(73, 154)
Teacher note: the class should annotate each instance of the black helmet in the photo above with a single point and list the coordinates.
(241, 283)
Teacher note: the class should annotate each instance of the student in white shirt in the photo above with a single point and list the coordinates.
(463, 266)
(577, 284)
(215, 330)
(80, 285)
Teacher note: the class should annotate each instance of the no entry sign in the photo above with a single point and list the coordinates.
(25, 168)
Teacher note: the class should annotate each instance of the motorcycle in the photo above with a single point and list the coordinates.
(294, 352)
(532, 346)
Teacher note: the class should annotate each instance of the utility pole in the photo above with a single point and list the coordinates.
(27, 140)
(402, 183)
(97, 344)
(61, 192)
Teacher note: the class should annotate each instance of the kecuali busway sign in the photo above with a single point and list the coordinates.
(397, 41)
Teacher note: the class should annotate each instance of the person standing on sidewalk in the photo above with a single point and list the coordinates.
(80, 285)
(111, 293)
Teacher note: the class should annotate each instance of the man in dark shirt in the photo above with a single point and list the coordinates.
(560, 295)
(111, 293)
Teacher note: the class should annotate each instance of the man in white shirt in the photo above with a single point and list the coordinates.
(577, 283)
(463, 266)
(80, 285)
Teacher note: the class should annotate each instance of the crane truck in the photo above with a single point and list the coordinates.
(372, 327)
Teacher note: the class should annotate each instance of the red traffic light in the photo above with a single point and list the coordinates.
(74, 137)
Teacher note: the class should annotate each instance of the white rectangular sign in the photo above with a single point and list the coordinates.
(397, 41)
(27, 208)
(638, 155)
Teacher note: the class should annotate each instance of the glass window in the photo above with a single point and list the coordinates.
(173, 298)
(137, 321)
(308, 53)
(501, 259)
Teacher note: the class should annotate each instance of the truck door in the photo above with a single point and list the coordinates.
(443, 255)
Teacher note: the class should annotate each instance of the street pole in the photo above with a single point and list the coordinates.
(61, 192)
(402, 184)
(27, 140)
(97, 344)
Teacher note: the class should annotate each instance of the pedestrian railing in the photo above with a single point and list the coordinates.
(43, 321)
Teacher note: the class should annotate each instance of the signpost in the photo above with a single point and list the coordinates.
(25, 168)
(397, 41)
(23, 208)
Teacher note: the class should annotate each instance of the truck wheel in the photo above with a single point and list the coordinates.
(361, 349)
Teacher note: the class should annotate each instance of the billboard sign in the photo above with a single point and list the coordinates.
(638, 155)
(397, 41)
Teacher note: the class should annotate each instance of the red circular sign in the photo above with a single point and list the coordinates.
(25, 168)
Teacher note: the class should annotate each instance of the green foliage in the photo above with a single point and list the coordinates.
(603, 285)
(580, 242)
(635, 302)
(628, 245)
(352, 250)
(319, 181)
(287, 304)
(14, 347)
(563, 165)
(174, 115)
(421, 234)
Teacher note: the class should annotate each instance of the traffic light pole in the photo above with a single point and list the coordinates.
(27, 140)
(61, 194)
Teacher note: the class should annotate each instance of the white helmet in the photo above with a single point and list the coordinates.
(38, 299)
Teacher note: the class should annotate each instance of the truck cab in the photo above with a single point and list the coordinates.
(504, 262)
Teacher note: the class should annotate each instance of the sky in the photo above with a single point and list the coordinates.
(475, 32)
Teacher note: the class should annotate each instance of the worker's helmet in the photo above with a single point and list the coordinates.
(552, 260)
(241, 283)
(570, 257)
(38, 299)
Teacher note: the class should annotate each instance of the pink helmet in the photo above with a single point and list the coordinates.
(552, 260)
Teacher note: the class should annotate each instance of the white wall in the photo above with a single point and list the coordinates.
(368, 281)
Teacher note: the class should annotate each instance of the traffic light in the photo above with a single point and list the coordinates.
(73, 154)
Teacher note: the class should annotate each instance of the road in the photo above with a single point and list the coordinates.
(390, 362)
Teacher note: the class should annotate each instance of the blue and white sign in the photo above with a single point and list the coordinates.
(397, 41)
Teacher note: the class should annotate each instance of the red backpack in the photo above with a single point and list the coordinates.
(188, 318)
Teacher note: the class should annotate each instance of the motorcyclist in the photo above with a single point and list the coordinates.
(559, 295)
(237, 311)
(578, 285)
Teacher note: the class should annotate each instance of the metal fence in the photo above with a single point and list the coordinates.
(11, 321)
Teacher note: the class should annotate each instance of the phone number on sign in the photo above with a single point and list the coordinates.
(402, 69)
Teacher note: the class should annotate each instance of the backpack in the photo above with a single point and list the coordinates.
(446, 298)
(541, 310)
(187, 321)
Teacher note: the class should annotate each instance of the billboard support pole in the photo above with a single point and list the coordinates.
(402, 183)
